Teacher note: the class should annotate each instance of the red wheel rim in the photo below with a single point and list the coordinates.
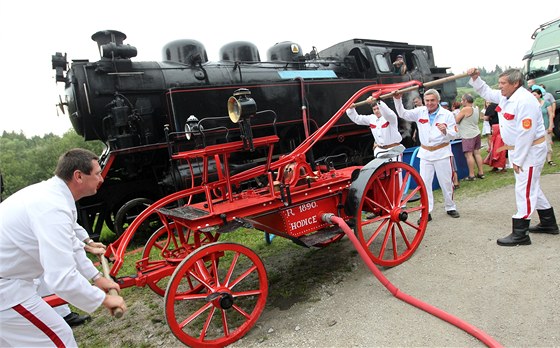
(388, 225)
(166, 248)
(232, 297)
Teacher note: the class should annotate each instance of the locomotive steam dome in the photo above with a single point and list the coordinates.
(240, 51)
(188, 52)
(286, 51)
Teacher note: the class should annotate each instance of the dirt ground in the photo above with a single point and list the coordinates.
(511, 294)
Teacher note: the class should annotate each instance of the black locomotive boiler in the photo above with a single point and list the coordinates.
(131, 106)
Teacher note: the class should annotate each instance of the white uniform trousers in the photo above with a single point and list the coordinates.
(443, 168)
(43, 290)
(34, 323)
(528, 193)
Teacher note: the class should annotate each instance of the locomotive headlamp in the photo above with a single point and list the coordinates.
(240, 105)
(192, 127)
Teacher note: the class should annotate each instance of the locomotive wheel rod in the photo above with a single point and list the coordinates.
(468, 328)
(412, 88)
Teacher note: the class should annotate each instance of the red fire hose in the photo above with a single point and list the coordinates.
(470, 329)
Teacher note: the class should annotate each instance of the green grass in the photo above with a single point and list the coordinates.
(493, 181)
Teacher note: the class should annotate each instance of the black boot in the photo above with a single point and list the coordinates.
(547, 224)
(519, 234)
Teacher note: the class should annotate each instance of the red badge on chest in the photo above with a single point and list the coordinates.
(423, 120)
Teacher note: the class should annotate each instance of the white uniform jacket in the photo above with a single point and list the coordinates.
(38, 236)
(429, 134)
(385, 129)
(521, 123)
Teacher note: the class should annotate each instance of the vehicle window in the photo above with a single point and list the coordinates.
(382, 63)
(544, 64)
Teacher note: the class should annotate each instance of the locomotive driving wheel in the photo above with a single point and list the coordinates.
(393, 220)
(233, 293)
(167, 247)
(128, 212)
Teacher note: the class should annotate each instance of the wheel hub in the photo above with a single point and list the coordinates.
(398, 214)
(223, 300)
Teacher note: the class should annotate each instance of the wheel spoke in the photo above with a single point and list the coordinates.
(394, 241)
(242, 276)
(403, 236)
(196, 314)
(377, 232)
(231, 268)
(385, 239)
(241, 311)
(372, 204)
(207, 323)
(225, 323)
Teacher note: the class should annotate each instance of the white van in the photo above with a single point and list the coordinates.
(542, 63)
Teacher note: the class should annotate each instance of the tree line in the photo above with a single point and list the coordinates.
(25, 161)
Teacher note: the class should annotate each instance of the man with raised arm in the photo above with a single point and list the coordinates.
(436, 128)
(523, 133)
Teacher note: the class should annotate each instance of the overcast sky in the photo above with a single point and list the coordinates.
(462, 34)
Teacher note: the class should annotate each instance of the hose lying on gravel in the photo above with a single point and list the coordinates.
(470, 329)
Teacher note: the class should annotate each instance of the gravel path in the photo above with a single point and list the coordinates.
(512, 294)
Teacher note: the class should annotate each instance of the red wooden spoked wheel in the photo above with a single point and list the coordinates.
(166, 248)
(231, 300)
(387, 226)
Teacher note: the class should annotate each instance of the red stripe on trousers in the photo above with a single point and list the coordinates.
(528, 192)
(452, 173)
(39, 324)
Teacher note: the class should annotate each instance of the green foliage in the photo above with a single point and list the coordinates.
(26, 161)
(490, 77)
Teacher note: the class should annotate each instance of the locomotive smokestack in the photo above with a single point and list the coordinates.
(110, 44)
(106, 36)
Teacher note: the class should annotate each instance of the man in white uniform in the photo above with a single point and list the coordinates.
(522, 129)
(383, 124)
(436, 128)
(38, 239)
(96, 248)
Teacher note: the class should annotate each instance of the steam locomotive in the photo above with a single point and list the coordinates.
(134, 107)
